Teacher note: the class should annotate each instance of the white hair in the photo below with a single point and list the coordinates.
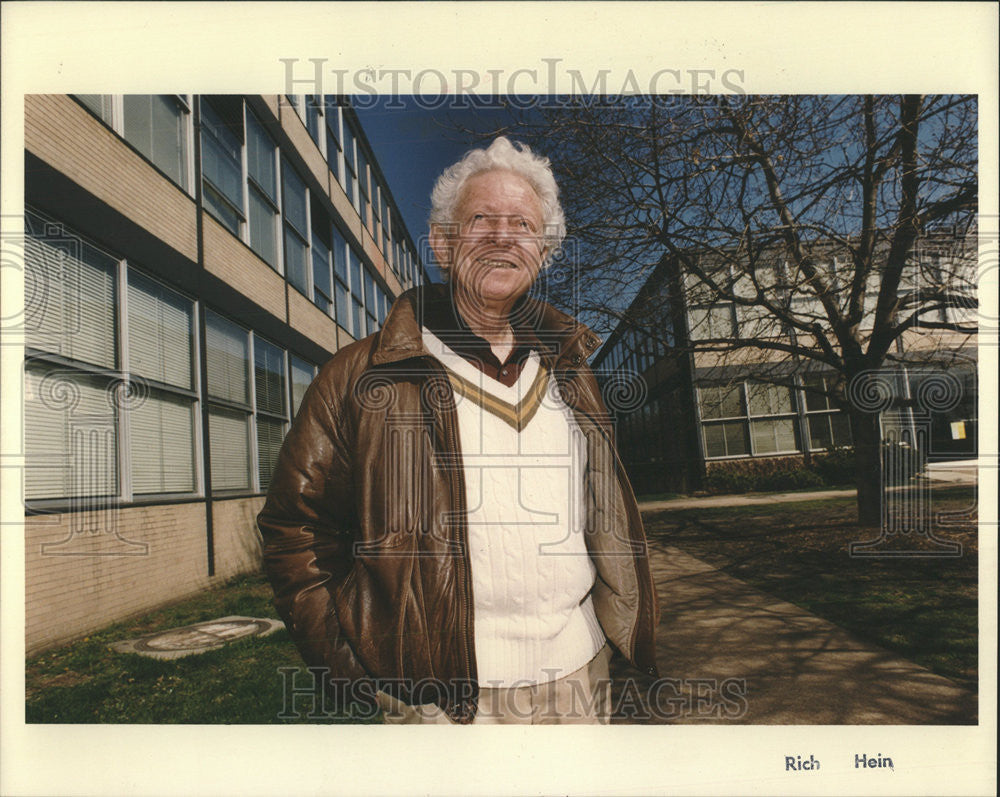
(503, 155)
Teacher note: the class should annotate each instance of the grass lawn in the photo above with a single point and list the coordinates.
(86, 681)
(926, 609)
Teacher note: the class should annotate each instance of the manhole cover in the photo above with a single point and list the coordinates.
(197, 638)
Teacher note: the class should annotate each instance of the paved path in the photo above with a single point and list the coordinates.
(733, 654)
(744, 500)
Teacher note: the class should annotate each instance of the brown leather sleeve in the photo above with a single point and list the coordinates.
(307, 525)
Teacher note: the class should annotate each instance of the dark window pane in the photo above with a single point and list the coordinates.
(269, 377)
(295, 261)
(263, 239)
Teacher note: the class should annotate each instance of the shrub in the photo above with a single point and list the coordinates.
(727, 481)
(836, 466)
(760, 475)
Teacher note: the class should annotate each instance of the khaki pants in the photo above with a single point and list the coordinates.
(580, 698)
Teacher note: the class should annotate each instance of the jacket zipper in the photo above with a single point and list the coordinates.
(458, 480)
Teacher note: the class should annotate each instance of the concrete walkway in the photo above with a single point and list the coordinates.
(729, 653)
(942, 474)
(764, 499)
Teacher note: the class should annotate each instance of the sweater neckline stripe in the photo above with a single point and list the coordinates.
(518, 416)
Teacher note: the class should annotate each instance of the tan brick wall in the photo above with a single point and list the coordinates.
(740, 357)
(296, 131)
(235, 263)
(308, 319)
(343, 337)
(237, 541)
(68, 138)
(342, 205)
(82, 573)
(86, 570)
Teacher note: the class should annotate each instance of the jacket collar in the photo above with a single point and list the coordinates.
(564, 340)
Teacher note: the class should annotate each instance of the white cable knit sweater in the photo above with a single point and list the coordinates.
(525, 459)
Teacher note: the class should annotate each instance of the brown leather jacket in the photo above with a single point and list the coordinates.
(364, 527)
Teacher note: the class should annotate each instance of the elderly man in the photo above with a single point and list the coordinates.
(449, 524)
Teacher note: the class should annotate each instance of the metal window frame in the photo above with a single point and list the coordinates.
(124, 494)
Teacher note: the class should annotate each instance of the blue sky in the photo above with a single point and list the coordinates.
(414, 143)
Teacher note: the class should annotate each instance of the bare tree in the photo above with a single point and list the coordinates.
(810, 219)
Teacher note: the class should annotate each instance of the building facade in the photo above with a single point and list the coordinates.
(190, 262)
(723, 408)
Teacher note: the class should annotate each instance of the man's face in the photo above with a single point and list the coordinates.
(499, 249)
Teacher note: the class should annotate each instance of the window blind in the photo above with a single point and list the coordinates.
(221, 156)
(227, 353)
(229, 442)
(155, 125)
(70, 435)
(270, 433)
(160, 332)
(269, 377)
(73, 306)
(260, 158)
(295, 260)
(162, 444)
(293, 197)
(263, 239)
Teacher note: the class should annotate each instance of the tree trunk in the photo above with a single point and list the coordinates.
(868, 466)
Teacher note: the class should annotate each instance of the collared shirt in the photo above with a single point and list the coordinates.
(443, 319)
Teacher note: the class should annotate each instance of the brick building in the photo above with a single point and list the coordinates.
(190, 261)
(687, 411)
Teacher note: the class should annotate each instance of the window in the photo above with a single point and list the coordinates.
(365, 196)
(380, 223)
(727, 435)
(161, 352)
(757, 322)
(350, 167)
(385, 221)
(100, 104)
(77, 320)
(70, 433)
(747, 419)
(333, 145)
(711, 322)
(270, 386)
(314, 119)
(342, 280)
(295, 202)
(71, 430)
(302, 376)
(322, 284)
(371, 302)
(92, 430)
(828, 427)
(771, 435)
(262, 191)
(357, 327)
(221, 162)
(227, 351)
(157, 126)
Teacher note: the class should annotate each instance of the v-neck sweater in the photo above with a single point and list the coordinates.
(524, 459)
